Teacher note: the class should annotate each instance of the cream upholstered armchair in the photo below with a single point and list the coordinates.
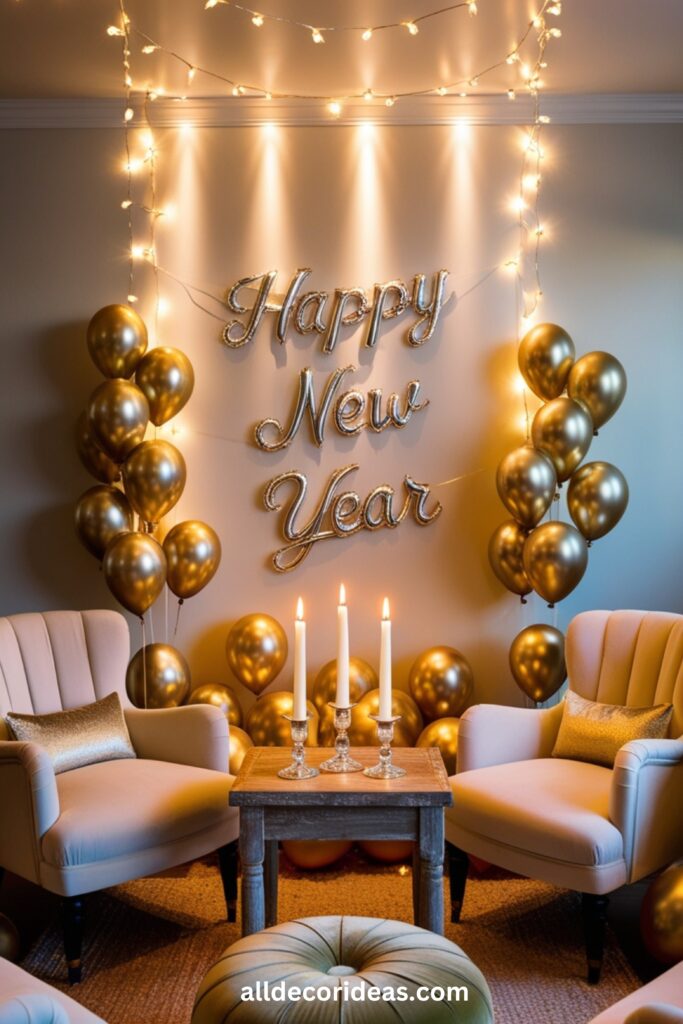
(571, 823)
(105, 823)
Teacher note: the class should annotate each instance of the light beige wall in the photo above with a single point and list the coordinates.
(356, 205)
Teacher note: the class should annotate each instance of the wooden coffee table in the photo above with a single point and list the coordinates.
(344, 806)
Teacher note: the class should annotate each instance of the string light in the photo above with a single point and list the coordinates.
(511, 94)
(317, 36)
(334, 107)
(258, 19)
(149, 48)
(368, 95)
(530, 74)
(128, 113)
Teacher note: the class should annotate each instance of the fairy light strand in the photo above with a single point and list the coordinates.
(334, 102)
(259, 19)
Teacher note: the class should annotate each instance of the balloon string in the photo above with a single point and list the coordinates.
(454, 479)
(144, 663)
(177, 618)
(166, 614)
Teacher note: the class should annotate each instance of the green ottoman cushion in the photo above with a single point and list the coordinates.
(325, 956)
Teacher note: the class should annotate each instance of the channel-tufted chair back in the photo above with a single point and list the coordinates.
(628, 657)
(58, 660)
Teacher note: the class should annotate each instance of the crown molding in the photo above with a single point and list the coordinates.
(229, 112)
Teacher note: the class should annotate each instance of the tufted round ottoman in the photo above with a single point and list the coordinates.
(360, 970)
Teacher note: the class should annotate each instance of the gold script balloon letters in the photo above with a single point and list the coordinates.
(339, 513)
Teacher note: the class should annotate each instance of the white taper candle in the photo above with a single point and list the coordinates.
(300, 710)
(342, 695)
(385, 664)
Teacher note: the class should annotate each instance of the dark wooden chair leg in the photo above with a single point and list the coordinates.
(227, 862)
(458, 866)
(72, 918)
(594, 922)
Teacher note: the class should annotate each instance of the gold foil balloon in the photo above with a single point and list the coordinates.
(597, 497)
(505, 555)
(546, 354)
(563, 429)
(661, 915)
(268, 728)
(599, 381)
(117, 340)
(257, 650)
(363, 731)
(537, 661)
(555, 559)
(193, 553)
(221, 697)
(93, 458)
(10, 943)
(312, 854)
(240, 742)
(154, 477)
(135, 570)
(441, 682)
(117, 417)
(102, 513)
(162, 680)
(166, 377)
(388, 851)
(526, 483)
(443, 734)
(362, 678)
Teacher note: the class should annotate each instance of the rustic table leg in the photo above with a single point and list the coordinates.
(271, 879)
(431, 869)
(416, 883)
(252, 853)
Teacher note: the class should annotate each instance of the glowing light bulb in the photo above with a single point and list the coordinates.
(555, 9)
(258, 20)
(538, 21)
(137, 252)
(191, 72)
(131, 166)
(126, 204)
(525, 71)
(267, 95)
(512, 58)
(511, 94)
(209, 4)
(163, 306)
(129, 114)
(131, 298)
(462, 95)
(442, 90)
(412, 27)
(149, 48)
(114, 30)
(555, 32)
(511, 265)
(389, 101)
(472, 6)
(127, 81)
(334, 108)
(531, 181)
(473, 82)
(543, 119)
(317, 36)
(367, 35)
(518, 204)
(539, 230)
(368, 95)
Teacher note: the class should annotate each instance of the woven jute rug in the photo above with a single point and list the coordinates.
(149, 943)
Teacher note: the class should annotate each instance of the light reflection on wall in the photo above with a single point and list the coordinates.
(269, 230)
(366, 222)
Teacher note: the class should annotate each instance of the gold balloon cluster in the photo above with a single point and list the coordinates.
(551, 557)
(110, 438)
(661, 915)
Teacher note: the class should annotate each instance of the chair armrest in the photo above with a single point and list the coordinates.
(30, 805)
(646, 803)
(496, 734)
(195, 735)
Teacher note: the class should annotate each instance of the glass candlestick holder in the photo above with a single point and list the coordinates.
(341, 762)
(297, 769)
(385, 732)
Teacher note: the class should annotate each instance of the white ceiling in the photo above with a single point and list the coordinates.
(59, 48)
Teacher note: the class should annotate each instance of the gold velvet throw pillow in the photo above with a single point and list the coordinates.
(86, 735)
(595, 732)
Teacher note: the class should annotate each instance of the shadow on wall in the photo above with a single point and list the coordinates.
(59, 573)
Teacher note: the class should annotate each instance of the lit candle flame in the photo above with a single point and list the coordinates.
(342, 594)
(385, 609)
(300, 609)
